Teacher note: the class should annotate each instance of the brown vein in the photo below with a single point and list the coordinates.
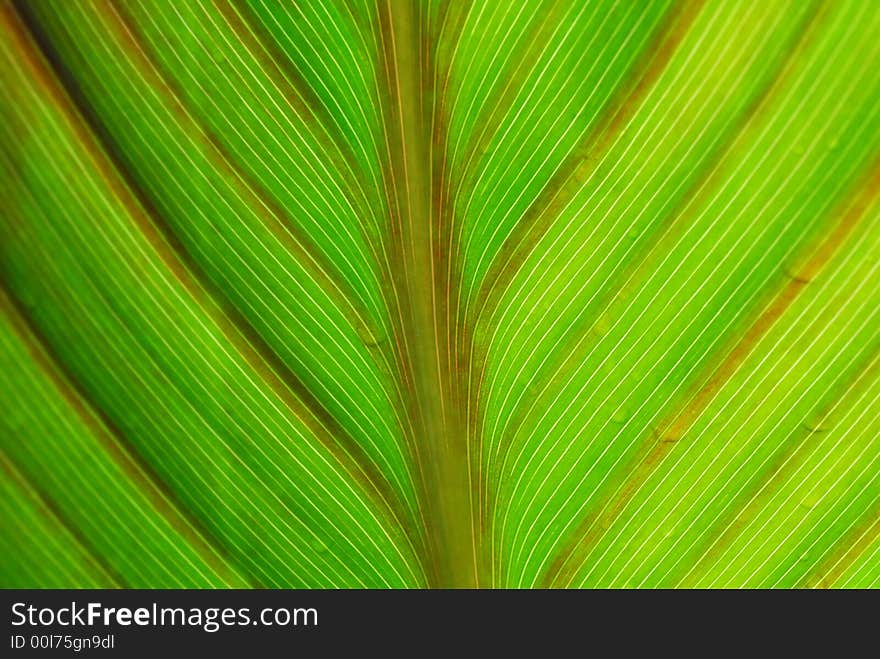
(442, 453)
(108, 436)
(702, 185)
(236, 329)
(846, 551)
(851, 210)
(51, 512)
(273, 214)
(580, 164)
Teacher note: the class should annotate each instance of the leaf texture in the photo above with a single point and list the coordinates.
(412, 293)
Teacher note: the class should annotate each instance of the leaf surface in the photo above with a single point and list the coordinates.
(419, 293)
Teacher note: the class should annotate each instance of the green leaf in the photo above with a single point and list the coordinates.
(418, 293)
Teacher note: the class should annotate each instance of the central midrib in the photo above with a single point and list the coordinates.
(441, 444)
